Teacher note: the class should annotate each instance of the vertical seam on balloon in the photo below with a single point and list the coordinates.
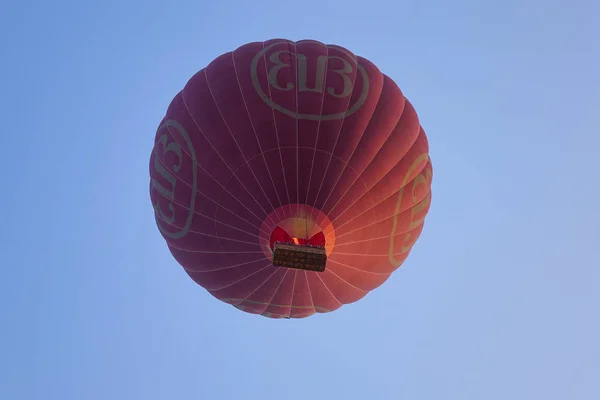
(309, 291)
(383, 220)
(329, 290)
(375, 156)
(345, 281)
(396, 211)
(238, 146)
(338, 133)
(412, 145)
(396, 193)
(268, 303)
(210, 219)
(202, 194)
(254, 130)
(354, 150)
(239, 281)
(276, 291)
(369, 189)
(216, 152)
(355, 147)
(276, 132)
(214, 201)
(379, 221)
(297, 91)
(295, 79)
(197, 162)
(289, 312)
(228, 267)
(391, 217)
(258, 287)
(366, 240)
(362, 270)
(312, 165)
(215, 237)
(203, 215)
(369, 210)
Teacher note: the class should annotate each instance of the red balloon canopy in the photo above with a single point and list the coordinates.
(290, 141)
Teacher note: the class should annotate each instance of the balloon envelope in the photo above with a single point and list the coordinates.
(280, 141)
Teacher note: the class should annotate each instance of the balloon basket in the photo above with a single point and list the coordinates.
(295, 256)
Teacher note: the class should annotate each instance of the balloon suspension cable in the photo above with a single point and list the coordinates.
(306, 222)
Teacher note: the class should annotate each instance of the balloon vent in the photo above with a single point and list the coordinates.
(295, 256)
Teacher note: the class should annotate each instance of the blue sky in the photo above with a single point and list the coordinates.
(498, 300)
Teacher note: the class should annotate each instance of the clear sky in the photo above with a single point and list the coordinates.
(499, 299)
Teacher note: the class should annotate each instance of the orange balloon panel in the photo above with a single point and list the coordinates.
(296, 140)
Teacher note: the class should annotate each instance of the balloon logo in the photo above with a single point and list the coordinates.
(348, 64)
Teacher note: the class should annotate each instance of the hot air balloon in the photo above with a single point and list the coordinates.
(290, 178)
